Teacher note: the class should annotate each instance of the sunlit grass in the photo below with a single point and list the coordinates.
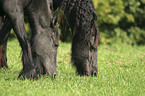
(121, 73)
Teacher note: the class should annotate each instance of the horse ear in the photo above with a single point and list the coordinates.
(94, 42)
(95, 32)
(97, 37)
(56, 20)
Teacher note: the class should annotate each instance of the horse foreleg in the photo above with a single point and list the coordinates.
(1, 55)
(1, 46)
(16, 16)
(3, 58)
(4, 32)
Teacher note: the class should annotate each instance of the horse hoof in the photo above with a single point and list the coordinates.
(54, 75)
(28, 74)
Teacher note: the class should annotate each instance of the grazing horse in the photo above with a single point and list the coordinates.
(39, 53)
(82, 19)
(44, 34)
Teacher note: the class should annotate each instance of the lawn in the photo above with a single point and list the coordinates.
(121, 73)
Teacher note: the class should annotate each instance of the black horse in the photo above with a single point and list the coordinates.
(44, 34)
(81, 16)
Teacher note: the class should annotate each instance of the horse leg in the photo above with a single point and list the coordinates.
(16, 16)
(1, 46)
(3, 58)
(4, 32)
(44, 39)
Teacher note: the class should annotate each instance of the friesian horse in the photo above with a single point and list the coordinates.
(39, 53)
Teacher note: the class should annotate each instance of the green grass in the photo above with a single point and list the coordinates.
(121, 73)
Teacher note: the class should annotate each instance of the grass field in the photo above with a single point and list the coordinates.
(121, 73)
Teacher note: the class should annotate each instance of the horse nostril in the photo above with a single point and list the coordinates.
(54, 75)
(94, 73)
